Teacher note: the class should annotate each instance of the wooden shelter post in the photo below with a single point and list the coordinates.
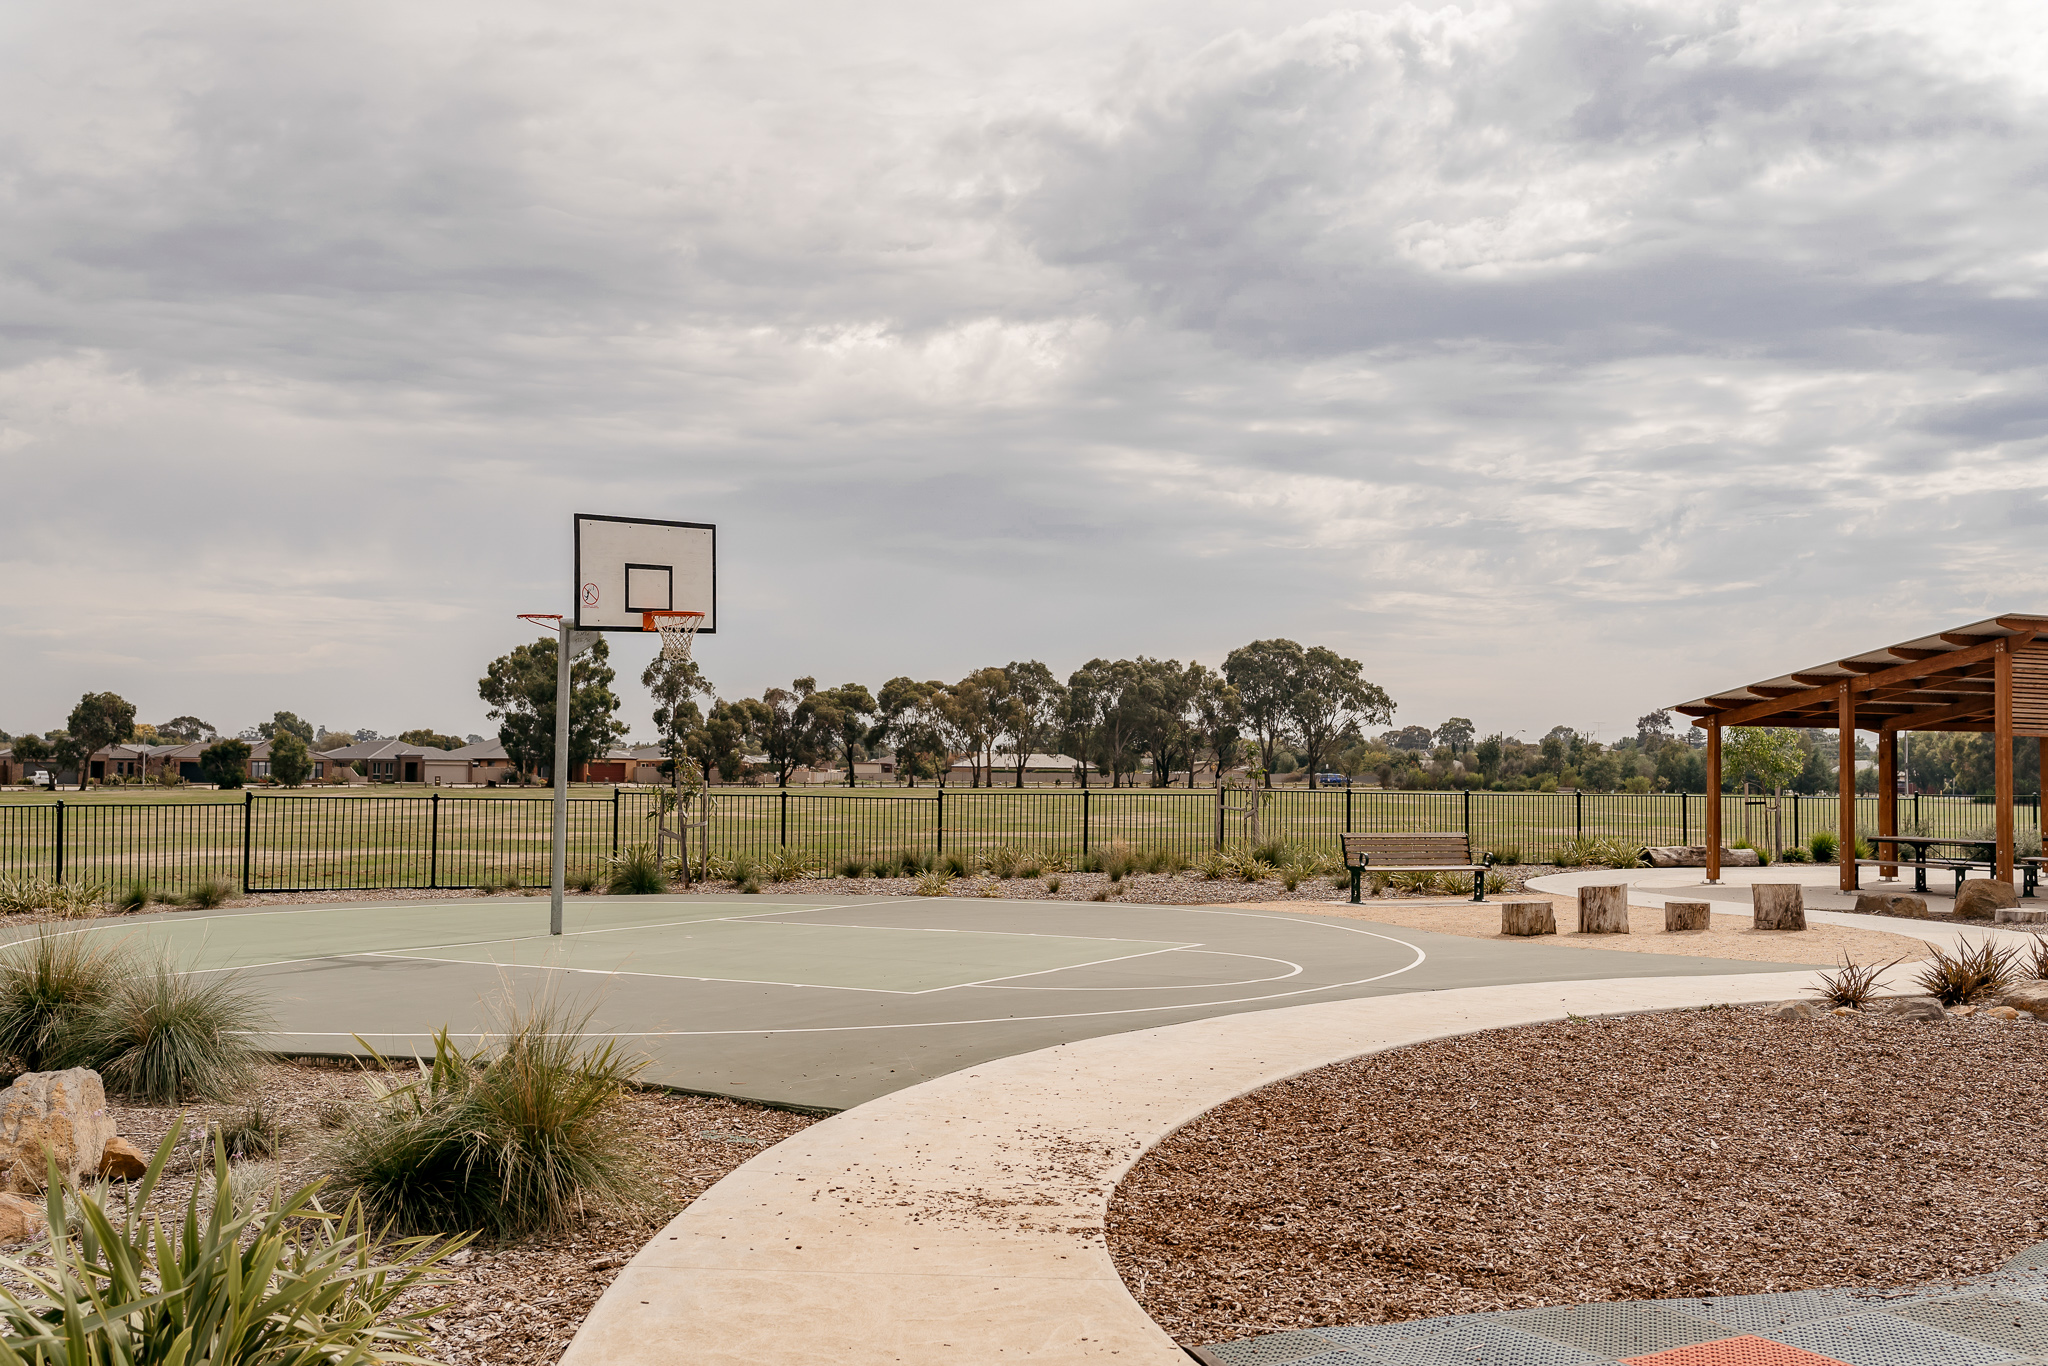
(1888, 795)
(2001, 759)
(1845, 719)
(1713, 799)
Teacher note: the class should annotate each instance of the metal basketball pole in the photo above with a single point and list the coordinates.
(569, 643)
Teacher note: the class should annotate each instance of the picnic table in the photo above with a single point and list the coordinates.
(1975, 854)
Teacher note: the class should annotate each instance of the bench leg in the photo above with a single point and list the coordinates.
(1920, 880)
(1959, 881)
(1479, 886)
(1354, 885)
(2028, 876)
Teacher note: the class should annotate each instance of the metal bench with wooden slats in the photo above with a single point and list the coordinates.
(1414, 851)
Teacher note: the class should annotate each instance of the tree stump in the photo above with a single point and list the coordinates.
(1686, 915)
(1778, 906)
(1604, 910)
(1527, 918)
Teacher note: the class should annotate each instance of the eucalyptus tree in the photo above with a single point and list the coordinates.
(1031, 711)
(1264, 674)
(1330, 697)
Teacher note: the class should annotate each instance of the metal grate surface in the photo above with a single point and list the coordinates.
(1625, 1328)
(2019, 1326)
(2034, 1258)
(1278, 1349)
(1485, 1342)
(1742, 1351)
(1879, 1339)
(1766, 1314)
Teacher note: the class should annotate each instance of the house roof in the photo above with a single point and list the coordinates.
(389, 749)
(1031, 761)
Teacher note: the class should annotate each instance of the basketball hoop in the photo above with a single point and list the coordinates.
(678, 630)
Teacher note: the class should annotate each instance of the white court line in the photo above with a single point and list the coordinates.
(1420, 958)
(409, 955)
(1179, 986)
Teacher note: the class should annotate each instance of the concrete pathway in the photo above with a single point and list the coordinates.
(961, 1220)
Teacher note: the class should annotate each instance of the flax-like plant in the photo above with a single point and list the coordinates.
(291, 1285)
(934, 883)
(636, 872)
(1967, 975)
(2037, 958)
(1852, 984)
(511, 1138)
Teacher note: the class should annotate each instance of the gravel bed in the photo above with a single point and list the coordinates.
(517, 1302)
(1714, 1151)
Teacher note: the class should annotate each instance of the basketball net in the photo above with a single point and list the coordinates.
(678, 631)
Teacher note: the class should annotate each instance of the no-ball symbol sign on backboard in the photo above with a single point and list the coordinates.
(590, 595)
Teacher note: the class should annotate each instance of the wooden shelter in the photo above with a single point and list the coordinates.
(1988, 676)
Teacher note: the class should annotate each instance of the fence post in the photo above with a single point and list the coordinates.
(615, 822)
(784, 835)
(941, 844)
(1468, 817)
(60, 841)
(1916, 813)
(248, 810)
(1219, 807)
(434, 842)
(1579, 810)
(1086, 795)
(1348, 826)
(1684, 821)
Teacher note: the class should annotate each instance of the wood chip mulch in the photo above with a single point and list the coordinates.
(1706, 1152)
(516, 1302)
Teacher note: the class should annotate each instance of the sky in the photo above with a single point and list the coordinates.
(1557, 361)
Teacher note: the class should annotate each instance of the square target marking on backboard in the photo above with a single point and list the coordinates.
(629, 565)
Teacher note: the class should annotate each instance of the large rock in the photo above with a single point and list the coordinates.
(64, 1113)
(1794, 1010)
(1980, 898)
(2022, 915)
(2031, 994)
(1695, 856)
(20, 1220)
(1919, 1008)
(1892, 903)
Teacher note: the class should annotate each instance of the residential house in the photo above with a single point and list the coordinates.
(1040, 770)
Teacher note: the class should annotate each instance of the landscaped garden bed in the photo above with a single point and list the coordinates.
(1720, 1151)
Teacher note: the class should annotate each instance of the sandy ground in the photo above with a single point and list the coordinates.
(1716, 1151)
(1729, 936)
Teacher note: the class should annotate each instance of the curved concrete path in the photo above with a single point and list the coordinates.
(961, 1220)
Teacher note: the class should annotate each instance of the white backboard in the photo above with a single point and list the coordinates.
(629, 565)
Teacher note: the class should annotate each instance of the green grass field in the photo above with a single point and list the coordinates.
(407, 837)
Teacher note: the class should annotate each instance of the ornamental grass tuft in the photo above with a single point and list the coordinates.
(514, 1138)
(636, 873)
(48, 984)
(166, 1037)
(1968, 975)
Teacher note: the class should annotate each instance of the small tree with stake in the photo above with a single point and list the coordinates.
(673, 683)
(1774, 755)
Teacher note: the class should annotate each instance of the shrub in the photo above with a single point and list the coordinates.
(288, 1284)
(253, 1131)
(913, 862)
(1256, 870)
(1496, 882)
(47, 986)
(510, 1139)
(226, 763)
(1509, 854)
(1597, 851)
(635, 873)
(2037, 959)
(1823, 846)
(852, 867)
(744, 869)
(207, 895)
(934, 883)
(134, 897)
(750, 887)
(1005, 861)
(582, 882)
(957, 865)
(1970, 974)
(1052, 884)
(1290, 878)
(160, 1036)
(786, 865)
(23, 895)
(1795, 854)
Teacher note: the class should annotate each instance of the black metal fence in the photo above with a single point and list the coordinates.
(274, 843)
